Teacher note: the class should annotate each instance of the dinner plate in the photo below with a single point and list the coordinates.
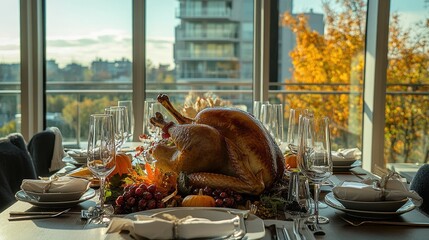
(22, 196)
(356, 163)
(333, 202)
(68, 159)
(54, 197)
(252, 226)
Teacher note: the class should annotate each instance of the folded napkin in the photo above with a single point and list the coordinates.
(57, 185)
(173, 228)
(366, 192)
(346, 154)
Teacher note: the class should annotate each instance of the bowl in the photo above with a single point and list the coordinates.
(379, 206)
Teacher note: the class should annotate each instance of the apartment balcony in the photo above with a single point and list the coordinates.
(227, 35)
(183, 55)
(203, 13)
(216, 74)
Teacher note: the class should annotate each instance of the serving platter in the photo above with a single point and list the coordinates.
(24, 197)
(334, 203)
(251, 226)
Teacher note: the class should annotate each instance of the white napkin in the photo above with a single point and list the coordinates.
(346, 154)
(59, 185)
(364, 192)
(58, 152)
(173, 228)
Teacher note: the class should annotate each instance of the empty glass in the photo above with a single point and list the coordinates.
(101, 155)
(297, 204)
(314, 156)
(257, 108)
(119, 122)
(292, 133)
(129, 124)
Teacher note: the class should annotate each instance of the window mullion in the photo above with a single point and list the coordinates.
(139, 65)
(31, 15)
(375, 83)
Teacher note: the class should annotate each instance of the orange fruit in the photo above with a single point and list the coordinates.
(290, 161)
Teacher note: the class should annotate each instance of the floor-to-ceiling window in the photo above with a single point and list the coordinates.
(10, 79)
(321, 64)
(407, 90)
(88, 61)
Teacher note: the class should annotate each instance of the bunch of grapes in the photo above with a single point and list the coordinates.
(139, 197)
(223, 197)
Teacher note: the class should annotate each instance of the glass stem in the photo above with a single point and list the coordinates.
(316, 202)
(102, 182)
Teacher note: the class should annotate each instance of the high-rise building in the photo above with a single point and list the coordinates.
(214, 42)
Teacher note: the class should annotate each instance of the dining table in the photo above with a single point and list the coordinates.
(71, 226)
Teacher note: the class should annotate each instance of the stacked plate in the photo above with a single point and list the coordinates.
(375, 210)
(63, 191)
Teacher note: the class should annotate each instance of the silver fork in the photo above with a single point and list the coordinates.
(38, 216)
(359, 223)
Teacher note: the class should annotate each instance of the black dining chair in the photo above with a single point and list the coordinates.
(15, 165)
(41, 148)
(420, 184)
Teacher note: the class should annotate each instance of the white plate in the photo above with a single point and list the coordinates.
(22, 196)
(356, 163)
(68, 159)
(333, 202)
(54, 197)
(343, 162)
(253, 226)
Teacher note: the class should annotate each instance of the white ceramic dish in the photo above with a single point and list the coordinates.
(253, 226)
(381, 206)
(338, 168)
(68, 159)
(22, 196)
(55, 197)
(333, 202)
(80, 157)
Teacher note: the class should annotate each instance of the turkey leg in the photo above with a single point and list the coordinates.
(165, 101)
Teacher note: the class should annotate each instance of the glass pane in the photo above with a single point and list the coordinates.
(88, 62)
(199, 48)
(321, 63)
(10, 79)
(407, 99)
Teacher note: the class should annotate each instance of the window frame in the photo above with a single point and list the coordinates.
(33, 79)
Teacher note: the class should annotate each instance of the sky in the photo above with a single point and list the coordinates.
(81, 30)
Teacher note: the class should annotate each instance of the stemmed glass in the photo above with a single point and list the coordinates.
(257, 108)
(101, 153)
(314, 156)
(297, 204)
(292, 133)
(119, 122)
(129, 124)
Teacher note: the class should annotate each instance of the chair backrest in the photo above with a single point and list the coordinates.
(15, 165)
(41, 148)
(420, 184)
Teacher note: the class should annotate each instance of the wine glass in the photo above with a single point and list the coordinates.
(314, 156)
(101, 153)
(257, 108)
(277, 123)
(129, 125)
(298, 202)
(292, 133)
(119, 122)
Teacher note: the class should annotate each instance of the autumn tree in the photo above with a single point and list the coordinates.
(330, 68)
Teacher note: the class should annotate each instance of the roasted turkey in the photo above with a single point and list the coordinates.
(219, 148)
